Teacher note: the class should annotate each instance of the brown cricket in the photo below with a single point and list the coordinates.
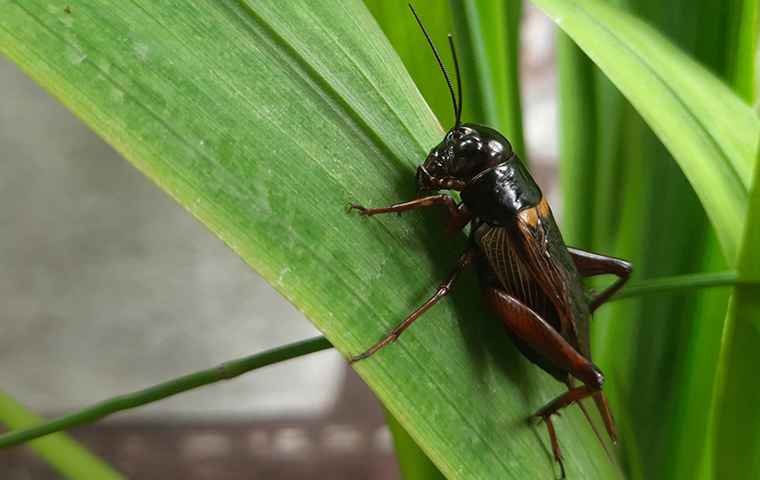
(530, 279)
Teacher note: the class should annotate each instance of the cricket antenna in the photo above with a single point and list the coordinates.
(457, 109)
(459, 80)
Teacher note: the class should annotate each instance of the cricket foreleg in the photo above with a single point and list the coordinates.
(458, 214)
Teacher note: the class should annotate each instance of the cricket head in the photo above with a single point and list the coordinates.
(466, 151)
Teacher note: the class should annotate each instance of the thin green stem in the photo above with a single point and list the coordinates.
(238, 367)
(224, 371)
(691, 281)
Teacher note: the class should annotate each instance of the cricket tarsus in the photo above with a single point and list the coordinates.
(555, 446)
(596, 431)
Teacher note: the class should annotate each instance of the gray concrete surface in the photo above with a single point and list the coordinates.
(107, 285)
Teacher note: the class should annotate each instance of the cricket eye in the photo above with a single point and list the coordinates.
(467, 145)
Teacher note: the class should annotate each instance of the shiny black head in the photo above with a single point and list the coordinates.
(465, 151)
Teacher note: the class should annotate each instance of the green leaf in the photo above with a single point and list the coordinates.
(707, 128)
(741, 53)
(577, 135)
(736, 423)
(625, 197)
(65, 455)
(264, 119)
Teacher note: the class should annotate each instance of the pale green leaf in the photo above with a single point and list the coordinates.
(710, 132)
(65, 455)
(736, 423)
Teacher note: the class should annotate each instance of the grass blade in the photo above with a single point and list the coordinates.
(736, 424)
(710, 132)
(405, 36)
(578, 134)
(661, 353)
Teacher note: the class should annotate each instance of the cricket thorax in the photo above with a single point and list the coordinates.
(500, 193)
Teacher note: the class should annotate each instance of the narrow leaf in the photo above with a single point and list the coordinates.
(62, 453)
(736, 422)
(710, 132)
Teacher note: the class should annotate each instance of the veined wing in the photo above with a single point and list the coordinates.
(545, 256)
(502, 248)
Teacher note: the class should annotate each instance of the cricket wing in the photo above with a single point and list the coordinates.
(502, 248)
(546, 257)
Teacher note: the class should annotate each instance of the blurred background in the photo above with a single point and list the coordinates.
(110, 286)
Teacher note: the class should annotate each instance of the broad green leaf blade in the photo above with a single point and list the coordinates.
(62, 453)
(709, 131)
(736, 423)
(399, 26)
(404, 34)
(264, 119)
(407, 39)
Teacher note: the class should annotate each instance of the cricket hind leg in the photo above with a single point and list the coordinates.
(590, 264)
(444, 289)
(532, 330)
